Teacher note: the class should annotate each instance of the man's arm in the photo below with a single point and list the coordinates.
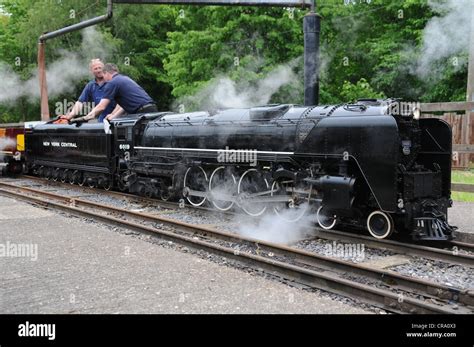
(84, 97)
(97, 110)
(74, 111)
(117, 112)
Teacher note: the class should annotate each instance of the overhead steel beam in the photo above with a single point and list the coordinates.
(79, 26)
(282, 3)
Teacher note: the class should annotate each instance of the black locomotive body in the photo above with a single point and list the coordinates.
(363, 165)
(82, 155)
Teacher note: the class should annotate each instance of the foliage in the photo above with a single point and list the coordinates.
(367, 48)
(362, 89)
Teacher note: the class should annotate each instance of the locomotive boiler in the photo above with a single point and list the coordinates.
(358, 164)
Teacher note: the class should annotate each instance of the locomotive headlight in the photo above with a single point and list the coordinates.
(416, 113)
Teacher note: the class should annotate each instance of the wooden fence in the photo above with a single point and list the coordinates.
(460, 115)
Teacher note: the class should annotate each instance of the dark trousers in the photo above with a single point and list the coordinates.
(147, 109)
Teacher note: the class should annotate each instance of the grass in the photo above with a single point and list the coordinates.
(466, 177)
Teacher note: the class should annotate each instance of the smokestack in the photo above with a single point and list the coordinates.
(311, 28)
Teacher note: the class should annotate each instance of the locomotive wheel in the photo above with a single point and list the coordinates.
(291, 211)
(221, 183)
(55, 174)
(107, 185)
(251, 182)
(64, 176)
(165, 194)
(41, 171)
(325, 221)
(47, 173)
(74, 177)
(121, 185)
(195, 179)
(82, 180)
(91, 183)
(121, 182)
(380, 224)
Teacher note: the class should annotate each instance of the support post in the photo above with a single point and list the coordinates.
(466, 135)
(311, 28)
(43, 84)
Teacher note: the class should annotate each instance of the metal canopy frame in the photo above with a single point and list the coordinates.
(275, 3)
(311, 31)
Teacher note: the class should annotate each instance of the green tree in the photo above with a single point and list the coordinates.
(367, 48)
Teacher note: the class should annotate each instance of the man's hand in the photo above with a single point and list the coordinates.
(78, 121)
(61, 119)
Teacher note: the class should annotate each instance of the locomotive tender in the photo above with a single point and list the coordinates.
(365, 165)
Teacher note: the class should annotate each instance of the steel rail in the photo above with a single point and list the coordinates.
(433, 253)
(325, 266)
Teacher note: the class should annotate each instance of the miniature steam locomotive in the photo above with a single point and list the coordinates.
(363, 165)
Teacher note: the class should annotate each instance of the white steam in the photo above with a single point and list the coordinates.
(223, 92)
(446, 35)
(226, 93)
(11, 87)
(5, 143)
(62, 75)
(277, 228)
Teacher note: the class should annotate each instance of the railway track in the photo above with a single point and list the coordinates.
(453, 255)
(382, 288)
(451, 251)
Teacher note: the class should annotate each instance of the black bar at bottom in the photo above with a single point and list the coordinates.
(160, 330)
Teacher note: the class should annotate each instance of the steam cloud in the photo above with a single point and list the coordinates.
(223, 92)
(62, 75)
(272, 228)
(5, 142)
(445, 35)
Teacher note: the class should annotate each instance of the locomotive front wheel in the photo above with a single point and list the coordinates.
(222, 183)
(380, 224)
(195, 179)
(325, 221)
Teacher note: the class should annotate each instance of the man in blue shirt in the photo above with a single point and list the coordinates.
(92, 93)
(130, 97)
